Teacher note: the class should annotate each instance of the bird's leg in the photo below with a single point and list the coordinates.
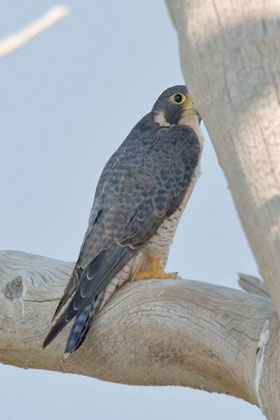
(156, 271)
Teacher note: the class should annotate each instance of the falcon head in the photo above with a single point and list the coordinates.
(175, 106)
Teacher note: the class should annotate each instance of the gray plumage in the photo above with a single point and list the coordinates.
(141, 185)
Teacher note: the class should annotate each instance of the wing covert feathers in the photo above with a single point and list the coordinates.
(142, 184)
(92, 284)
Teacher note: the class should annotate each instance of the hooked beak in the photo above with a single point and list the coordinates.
(191, 109)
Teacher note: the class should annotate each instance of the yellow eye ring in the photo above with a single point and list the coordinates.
(178, 98)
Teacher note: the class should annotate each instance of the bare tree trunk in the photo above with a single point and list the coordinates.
(183, 332)
(230, 55)
(157, 332)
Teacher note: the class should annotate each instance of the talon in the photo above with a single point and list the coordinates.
(156, 271)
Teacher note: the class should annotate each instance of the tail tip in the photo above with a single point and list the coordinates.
(46, 342)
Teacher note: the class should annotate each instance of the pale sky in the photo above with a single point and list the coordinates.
(68, 99)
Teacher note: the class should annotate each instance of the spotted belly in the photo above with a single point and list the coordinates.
(158, 246)
(163, 238)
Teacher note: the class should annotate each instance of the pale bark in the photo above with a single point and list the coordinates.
(230, 55)
(165, 332)
(19, 38)
(152, 332)
(252, 284)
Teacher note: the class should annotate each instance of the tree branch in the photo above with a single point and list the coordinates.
(230, 56)
(18, 39)
(252, 284)
(154, 332)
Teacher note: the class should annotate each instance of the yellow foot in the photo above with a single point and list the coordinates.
(156, 272)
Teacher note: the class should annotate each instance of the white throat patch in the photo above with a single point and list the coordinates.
(161, 120)
(192, 121)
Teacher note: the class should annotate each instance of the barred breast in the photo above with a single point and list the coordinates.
(160, 242)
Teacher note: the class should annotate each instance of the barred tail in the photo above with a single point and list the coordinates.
(81, 325)
(89, 294)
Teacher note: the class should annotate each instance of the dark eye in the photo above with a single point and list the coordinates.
(178, 98)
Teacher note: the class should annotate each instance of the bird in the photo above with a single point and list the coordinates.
(139, 199)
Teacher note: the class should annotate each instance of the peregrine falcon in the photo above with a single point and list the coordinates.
(139, 199)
